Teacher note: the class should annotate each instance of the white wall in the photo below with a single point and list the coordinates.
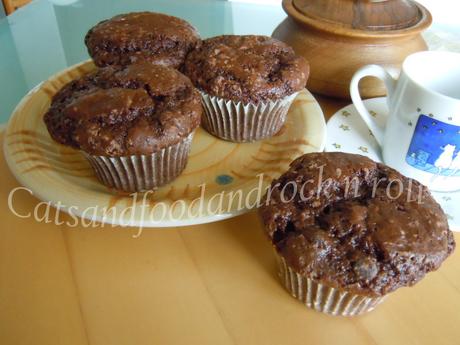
(445, 12)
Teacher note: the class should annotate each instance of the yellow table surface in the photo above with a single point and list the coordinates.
(205, 284)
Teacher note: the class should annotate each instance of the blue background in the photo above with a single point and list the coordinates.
(430, 136)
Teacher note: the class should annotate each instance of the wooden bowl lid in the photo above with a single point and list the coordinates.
(361, 17)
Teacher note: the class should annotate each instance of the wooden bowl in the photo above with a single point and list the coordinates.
(339, 36)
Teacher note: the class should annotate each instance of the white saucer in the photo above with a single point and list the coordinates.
(347, 132)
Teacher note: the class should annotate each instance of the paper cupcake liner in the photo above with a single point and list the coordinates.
(239, 122)
(323, 298)
(139, 173)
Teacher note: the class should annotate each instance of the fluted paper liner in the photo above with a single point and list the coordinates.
(323, 298)
(239, 122)
(138, 173)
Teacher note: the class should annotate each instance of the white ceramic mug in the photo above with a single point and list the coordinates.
(421, 135)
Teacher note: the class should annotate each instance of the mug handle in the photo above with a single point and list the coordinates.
(390, 84)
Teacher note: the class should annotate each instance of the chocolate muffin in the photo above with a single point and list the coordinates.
(133, 123)
(347, 231)
(247, 84)
(248, 69)
(141, 36)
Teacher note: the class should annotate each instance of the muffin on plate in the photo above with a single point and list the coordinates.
(134, 124)
(141, 36)
(347, 231)
(247, 84)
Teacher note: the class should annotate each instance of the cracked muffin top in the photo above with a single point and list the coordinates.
(250, 69)
(138, 36)
(356, 224)
(136, 109)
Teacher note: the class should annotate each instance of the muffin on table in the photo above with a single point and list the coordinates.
(247, 84)
(134, 124)
(141, 36)
(347, 231)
